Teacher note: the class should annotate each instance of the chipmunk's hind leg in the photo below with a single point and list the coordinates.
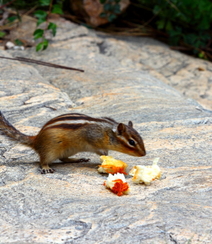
(45, 169)
(45, 160)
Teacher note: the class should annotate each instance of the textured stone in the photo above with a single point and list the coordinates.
(191, 76)
(72, 205)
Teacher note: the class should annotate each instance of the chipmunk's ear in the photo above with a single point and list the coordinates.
(121, 128)
(130, 124)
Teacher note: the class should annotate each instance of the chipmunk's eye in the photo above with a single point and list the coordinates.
(131, 142)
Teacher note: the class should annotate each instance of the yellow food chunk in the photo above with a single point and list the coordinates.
(145, 174)
(111, 165)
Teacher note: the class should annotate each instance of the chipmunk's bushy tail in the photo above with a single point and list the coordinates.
(7, 129)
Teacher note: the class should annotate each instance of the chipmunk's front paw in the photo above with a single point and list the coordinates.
(47, 170)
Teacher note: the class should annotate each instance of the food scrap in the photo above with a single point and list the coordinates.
(145, 174)
(111, 165)
(117, 184)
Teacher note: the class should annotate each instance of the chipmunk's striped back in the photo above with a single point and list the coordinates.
(76, 120)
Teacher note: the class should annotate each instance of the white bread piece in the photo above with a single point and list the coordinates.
(145, 174)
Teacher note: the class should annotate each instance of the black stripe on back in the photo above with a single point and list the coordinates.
(110, 119)
(67, 126)
(70, 116)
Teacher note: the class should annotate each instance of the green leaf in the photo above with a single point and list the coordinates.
(40, 14)
(169, 26)
(201, 55)
(57, 9)
(38, 33)
(107, 7)
(111, 17)
(18, 42)
(45, 44)
(103, 1)
(160, 24)
(175, 36)
(156, 9)
(116, 9)
(2, 34)
(12, 18)
(53, 28)
(42, 45)
(44, 2)
(39, 47)
(40, 21)
(103, 15)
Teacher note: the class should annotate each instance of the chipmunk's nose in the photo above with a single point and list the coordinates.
(142, 151)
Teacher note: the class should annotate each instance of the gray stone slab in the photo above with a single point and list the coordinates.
(72, 205)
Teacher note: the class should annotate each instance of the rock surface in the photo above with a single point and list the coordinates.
(123, 79)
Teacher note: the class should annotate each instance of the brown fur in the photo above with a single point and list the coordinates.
(7, 129)
(59, 139)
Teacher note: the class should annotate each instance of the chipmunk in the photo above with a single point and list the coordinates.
(68, 134)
